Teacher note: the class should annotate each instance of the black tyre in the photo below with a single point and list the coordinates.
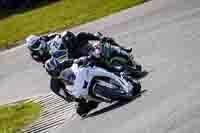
(136, 87)
(138, 67)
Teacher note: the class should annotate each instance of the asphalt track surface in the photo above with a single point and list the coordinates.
(165, 36)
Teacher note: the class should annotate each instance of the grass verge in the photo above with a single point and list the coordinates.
(14, 117)
(57, 15)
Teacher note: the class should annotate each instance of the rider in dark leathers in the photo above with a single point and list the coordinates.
(77, 45)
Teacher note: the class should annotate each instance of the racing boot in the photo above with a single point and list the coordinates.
(120, 52)
(112, 42)
(85, 107)
(128, 50)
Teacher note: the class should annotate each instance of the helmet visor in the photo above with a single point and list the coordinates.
(36, 45)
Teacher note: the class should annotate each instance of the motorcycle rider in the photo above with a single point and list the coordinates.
(78, 78)
(43, 47)
(55, 68)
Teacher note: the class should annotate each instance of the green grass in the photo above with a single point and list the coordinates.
(56, 16)
(15, 117)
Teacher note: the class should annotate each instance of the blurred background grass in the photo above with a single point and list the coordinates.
(50, 16)
(15, 117)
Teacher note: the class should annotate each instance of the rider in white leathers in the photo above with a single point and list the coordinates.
(80, 78)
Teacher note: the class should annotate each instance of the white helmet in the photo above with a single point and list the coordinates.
(35, 43)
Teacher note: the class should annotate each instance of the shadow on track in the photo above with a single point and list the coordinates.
(113, 106)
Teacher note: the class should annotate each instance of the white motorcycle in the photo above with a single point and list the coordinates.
(97, 84)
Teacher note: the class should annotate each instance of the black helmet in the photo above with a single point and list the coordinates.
(69, 39)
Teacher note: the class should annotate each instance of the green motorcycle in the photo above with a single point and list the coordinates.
(117, 62)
